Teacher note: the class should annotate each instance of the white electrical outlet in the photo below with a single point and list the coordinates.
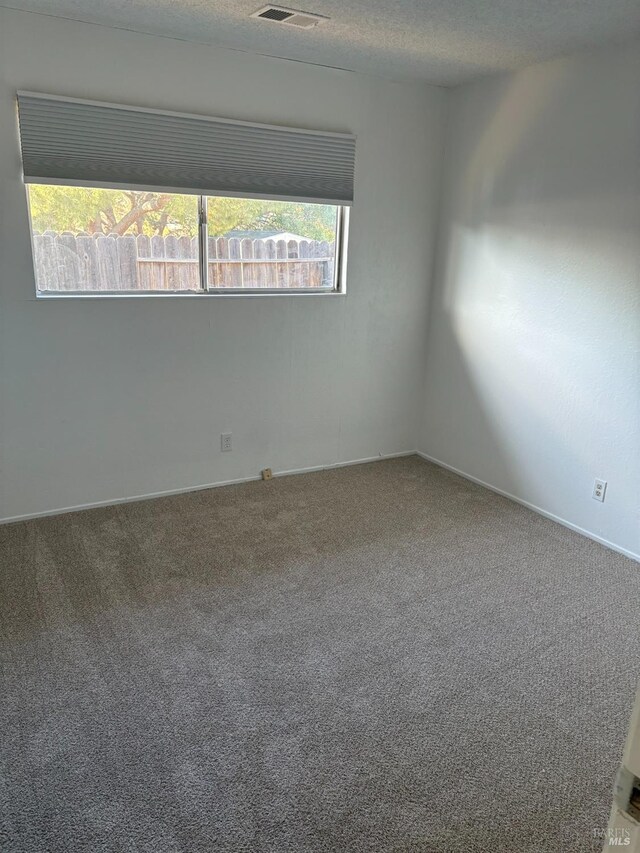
(225, 442)
(599, 489)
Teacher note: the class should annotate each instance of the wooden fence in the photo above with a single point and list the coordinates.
(68, 262)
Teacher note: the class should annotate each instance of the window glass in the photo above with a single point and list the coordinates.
(104, 240)
(96, 240)
(258, 244)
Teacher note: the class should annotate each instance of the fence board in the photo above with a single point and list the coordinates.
(159, 269)
(186, 270)
(171, 272)
(194, 253)
(111, 262)
(88, 256)
(108, 265)
(43, 261)
(283, 267)
(68, 266)
(214, 268)
(272, 269)
(145, 270)
(308, 272)
(327, 250)
(293, 250)
(128, 262)
(235, 270)
(259, 251)
(248, 276)
(223, 252)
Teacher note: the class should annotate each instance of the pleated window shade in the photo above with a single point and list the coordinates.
(87, 143)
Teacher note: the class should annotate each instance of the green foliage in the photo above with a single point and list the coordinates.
(106, 211)
(315, 221)
(232, 214)
(65, 209)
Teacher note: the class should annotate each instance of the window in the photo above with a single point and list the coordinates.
(254, 244)
(130, 200)
(96, 240)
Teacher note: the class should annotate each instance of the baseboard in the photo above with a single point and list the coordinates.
(538, 509)
(201, 487)
(313, 468)
(310, 469)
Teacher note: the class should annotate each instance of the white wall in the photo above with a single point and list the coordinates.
(107, 399)
(532, 364)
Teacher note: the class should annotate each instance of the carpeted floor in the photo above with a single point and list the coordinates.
(377, 658)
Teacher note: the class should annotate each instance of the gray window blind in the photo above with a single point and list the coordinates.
(86, 143)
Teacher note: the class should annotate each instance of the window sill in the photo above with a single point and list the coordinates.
(224, 294)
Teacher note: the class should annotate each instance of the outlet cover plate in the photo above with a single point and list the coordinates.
(599, 490)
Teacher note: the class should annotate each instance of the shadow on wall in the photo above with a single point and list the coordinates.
(534, 319)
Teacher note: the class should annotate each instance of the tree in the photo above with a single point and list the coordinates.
(106, 211)
(314, 221)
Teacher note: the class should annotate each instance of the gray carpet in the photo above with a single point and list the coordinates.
(377, 658)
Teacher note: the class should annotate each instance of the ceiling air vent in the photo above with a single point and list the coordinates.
(290, 17)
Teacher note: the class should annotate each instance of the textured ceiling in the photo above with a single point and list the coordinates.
(441, 41)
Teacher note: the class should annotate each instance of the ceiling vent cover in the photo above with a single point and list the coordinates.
(290, 17)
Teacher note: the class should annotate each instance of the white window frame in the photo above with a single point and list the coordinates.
(339, 287)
